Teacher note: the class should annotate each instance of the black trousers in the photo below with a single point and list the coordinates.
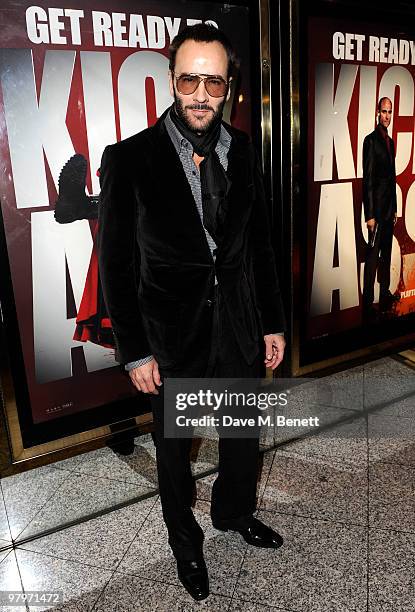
(234, 490)
(378, 258)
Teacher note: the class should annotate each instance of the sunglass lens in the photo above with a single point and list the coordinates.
(187, 84)
(216, 87)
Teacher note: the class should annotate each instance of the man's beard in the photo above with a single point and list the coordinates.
(203, 129)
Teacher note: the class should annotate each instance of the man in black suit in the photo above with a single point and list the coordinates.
(379, 200)
(189, 279)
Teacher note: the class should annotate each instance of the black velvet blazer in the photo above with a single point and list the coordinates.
(155, 263)
(379, 178)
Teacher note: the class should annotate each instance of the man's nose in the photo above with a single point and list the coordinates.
(201, 95)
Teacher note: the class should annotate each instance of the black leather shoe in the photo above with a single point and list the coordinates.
(393, 297)
(194, 577)
(255, 533)
(387, 300)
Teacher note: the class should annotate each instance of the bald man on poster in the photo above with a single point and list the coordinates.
(379, 201)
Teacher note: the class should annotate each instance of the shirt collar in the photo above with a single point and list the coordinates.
(181, 142)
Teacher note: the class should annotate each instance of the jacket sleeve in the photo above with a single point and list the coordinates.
(119, 260)
(267, 288)
(368, 159)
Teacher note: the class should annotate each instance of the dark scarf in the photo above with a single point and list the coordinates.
(213, 179)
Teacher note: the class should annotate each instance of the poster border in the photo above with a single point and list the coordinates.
(19, 427)
(298, 13)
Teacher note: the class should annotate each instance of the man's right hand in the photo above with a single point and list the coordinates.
(146, 378)
(370, 223)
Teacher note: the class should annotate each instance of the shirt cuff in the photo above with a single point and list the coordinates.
(136, 364)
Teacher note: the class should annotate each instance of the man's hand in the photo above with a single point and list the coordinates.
(370, 223)
(146, 377)
(274, 350)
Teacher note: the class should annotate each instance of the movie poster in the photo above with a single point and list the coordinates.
(350, 66)
(74, 78)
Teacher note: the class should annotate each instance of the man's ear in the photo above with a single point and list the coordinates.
(171, 86)
(228, 95)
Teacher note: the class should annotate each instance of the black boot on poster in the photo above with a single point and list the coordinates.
(73, 204)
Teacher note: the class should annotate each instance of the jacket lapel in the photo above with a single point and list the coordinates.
(174, 180)
(238, 173)
(383, 144)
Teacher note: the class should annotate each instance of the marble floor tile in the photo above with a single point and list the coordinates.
(238, 605)
(347, 388)
(176, 599)
(306, 392)
(268, 460)
(340, 434)
(267, 437)
(79, 496)
(69, 465)
(340, 390)
(392, 496)
(85, 461)
(150, 556)
(391, 439)
(317, 487)
(10, 581)
(204, 485)
(126, 593)
(110, 464)
(26, 493)
(137, 468)
(273, 433)
(321, 567)
(203, 456)
(400, 408)
(80, 584)
(4, 552)
(388, 381)
(4, 523)
(391, 571)
(101, 542)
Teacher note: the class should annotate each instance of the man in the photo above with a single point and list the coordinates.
(189, 280)
(379, 200)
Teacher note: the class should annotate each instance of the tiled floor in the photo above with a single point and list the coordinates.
(343, 499)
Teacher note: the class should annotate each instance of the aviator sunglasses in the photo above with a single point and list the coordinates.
(215, 85)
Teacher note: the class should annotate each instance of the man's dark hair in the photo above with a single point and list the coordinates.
(382, 100)
(203, 32)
